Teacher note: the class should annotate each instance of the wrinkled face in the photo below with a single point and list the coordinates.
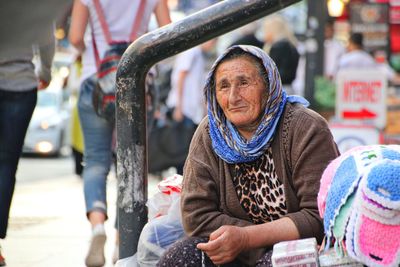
(241, 93)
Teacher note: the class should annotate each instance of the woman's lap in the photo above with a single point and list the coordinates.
(184, 253)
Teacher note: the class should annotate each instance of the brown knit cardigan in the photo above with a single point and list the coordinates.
(301, 149)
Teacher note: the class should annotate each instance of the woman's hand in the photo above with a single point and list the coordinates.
(225, 244)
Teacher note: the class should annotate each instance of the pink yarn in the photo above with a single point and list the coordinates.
(379, 240)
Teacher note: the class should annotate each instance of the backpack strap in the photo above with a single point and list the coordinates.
(102, 20)
(106, 31)
(95, 50)
(136, 22)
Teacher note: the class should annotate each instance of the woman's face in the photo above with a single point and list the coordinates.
(241, 93)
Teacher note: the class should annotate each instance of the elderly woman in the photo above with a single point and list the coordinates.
(252, 174)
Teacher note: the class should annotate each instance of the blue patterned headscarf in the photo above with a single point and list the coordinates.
(226, 140)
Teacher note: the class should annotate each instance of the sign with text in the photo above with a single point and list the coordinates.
(372, 20)
(361, 97)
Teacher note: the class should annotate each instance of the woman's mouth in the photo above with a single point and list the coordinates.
(236, 109)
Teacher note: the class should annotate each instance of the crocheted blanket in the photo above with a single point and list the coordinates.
(359, 200)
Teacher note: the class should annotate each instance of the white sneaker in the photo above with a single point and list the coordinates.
(95, 256)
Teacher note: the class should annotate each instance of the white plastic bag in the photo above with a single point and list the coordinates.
(165, 222)
(158, 234)
(169, 189)
(127, 262)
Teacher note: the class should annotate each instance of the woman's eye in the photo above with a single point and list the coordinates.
(243, 83)
(224, 86)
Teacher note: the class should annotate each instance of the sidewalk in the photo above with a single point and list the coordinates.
(48, 226)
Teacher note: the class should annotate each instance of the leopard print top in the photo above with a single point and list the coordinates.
(259, 190)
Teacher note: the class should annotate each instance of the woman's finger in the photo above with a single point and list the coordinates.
(209, 246)
(217, 233)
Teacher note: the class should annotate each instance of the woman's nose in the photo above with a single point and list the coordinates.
(234, 94)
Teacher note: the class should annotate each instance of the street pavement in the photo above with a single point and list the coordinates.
(48, 226)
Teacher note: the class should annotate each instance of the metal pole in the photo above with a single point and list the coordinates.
(131, 106)
(317, 14)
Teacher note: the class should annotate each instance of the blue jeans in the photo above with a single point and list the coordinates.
(97, 133)
(16, 109)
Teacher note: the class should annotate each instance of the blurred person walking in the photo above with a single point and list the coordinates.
(356, 57)
(247, 36)
(333, 50)
(186, 96)
(280, 44)
(118, 19)
(19, 82)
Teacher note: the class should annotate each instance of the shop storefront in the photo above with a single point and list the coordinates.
(378, 20)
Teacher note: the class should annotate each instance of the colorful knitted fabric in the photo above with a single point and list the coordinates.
(363, 204)
(328, 175)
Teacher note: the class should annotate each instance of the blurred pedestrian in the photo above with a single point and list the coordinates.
(333, 50)
(19, 82)
(118, 18)
(280, 44)
(247, 36)
(356, 57)
(186, 96)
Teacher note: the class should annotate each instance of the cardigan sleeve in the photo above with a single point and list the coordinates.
(311, 147)
(200, 202)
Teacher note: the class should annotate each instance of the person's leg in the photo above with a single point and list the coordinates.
(190, 124)
(15, 113)
(97, 134)
(78, 157)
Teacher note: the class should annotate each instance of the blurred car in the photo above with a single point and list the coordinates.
(48, 131)
(48, 127)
